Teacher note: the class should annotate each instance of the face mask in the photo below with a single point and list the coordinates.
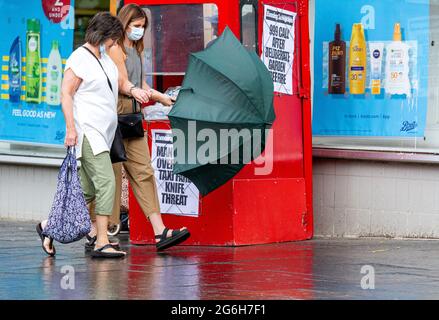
(136, 33)
(102, 49)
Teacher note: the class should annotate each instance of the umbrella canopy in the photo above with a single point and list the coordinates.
(221, 113)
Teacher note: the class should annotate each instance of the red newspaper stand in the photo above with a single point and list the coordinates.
(250, 208)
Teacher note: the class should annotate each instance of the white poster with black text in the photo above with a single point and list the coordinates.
(278, 47)
(177, 194)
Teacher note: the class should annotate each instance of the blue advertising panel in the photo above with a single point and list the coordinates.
(371, 68)
(37, 38)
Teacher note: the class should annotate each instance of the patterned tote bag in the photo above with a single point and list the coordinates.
(69, 219)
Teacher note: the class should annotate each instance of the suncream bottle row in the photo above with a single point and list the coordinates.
(397, 80)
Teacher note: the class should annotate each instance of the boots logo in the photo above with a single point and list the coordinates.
(408, 126)
(59, 135)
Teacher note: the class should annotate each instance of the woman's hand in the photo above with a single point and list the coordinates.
(71, 138)
(166, 100)
(141, 95)
(162, 98)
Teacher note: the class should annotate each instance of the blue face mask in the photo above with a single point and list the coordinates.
(136, 33)
(102, 49)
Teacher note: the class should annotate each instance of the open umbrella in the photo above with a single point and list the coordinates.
(221, 113)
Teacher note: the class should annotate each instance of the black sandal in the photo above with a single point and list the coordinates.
(99, 253)
(39, 229)
(177, 237)
(90, 244)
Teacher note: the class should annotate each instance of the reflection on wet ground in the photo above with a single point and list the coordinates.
(316, 269)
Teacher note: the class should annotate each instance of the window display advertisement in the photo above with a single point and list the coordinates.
(370, 77)
(37, 39)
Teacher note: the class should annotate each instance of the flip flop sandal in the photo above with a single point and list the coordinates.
(100, 253)
(39, 229)
(90, 244)
(177, 237)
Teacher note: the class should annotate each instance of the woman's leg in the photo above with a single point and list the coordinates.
(158, 225)
(47, 241)
(91, 208)
(100, 172)
(93, 232)
(101, 229)
(89, 192)
(115, 216)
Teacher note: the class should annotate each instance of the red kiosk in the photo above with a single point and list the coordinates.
(250, 208)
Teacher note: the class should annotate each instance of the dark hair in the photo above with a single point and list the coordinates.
(128, 14)
(103, 26)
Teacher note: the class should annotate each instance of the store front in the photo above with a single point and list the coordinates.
(375, 128)
(375, 118)
(248, 208)
(33, 122)
(30, 162)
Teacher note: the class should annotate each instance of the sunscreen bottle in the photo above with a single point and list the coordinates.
(357, 60)
(397, 65)
(376, 50)
(337, 64)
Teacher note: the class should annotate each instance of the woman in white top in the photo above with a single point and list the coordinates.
(89, 101)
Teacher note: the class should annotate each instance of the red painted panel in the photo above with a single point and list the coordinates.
(270, 210)
(250, 208)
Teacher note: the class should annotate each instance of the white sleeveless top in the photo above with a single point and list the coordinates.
(94, 104)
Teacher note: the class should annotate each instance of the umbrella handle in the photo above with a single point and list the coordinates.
(187, 89)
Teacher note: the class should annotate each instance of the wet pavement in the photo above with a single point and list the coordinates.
(316, 269)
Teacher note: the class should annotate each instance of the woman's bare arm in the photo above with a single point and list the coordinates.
(125, 86)
(70, 85)
(158, 96)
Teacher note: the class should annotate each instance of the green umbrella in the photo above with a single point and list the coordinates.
(221, 113)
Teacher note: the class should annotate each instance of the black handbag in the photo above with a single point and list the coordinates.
(117, 151)
(131, 124)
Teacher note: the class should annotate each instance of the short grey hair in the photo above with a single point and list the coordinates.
(104, 26)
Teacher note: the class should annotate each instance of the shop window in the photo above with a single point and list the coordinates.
(249, 33)
(394, 107)
(37, 128)
(84, 11)
(174, 32)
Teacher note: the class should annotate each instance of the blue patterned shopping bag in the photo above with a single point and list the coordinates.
(69, 219)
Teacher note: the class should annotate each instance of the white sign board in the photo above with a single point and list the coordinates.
(278, 47)
(177, 194)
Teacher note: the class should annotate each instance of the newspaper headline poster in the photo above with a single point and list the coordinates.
(177, 194)
(37, 39)
(278, 47)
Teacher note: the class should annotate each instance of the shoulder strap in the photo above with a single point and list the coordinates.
(108, 79)
(142, 55)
